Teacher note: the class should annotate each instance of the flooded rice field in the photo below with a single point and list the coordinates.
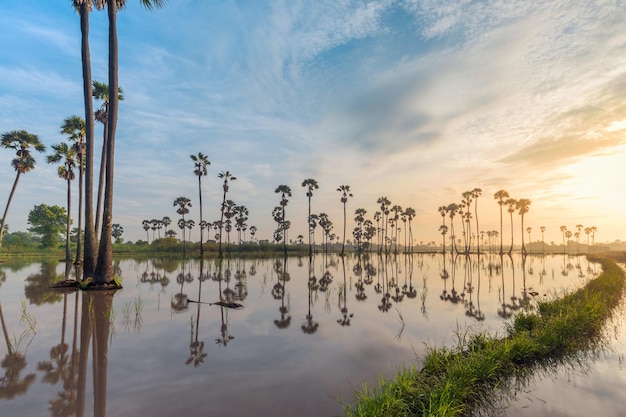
(264, 337)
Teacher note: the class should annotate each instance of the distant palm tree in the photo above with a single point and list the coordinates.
(183, 204)
(253, 230)
(396, 219)
(200, 163)
(409, 214)
(310, 185)
(384, 209)
(511, 202)
(345, 194)
(476, 192)
(146, 227)
(568, 235)
(74, 127)
(284, 192)
(529, 229)
(226, 176)
(579, 227)
(66, 155)
(563, 229)
(22, 142)
(452, 210)
(443, 229)
(166, 221)
(543, 242)
(587, 232)
(501, 196)
(523, 206)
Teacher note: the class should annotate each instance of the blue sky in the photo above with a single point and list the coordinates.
(417, 101)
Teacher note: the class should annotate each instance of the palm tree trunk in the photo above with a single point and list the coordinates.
(201, 228)
(104, 267)
(68, 252)
(103, 163)
(6, 209)
(81, 184)
(343, 244)
(89, 261)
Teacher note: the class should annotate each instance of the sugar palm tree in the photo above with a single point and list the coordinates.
(523, 206)
(384, 209)
(83, 7)
(511, 202)
(543, 242)
(501, 196)
(476, 192)
(529, 230)
(74, 127)
(310, 185)
(409, 214)
(66, 155)
(345, 194)
(284, 192)
(104, 266)
(226, 176)
(22, 142)
(100, 91)
(563, 229)
(200, 163)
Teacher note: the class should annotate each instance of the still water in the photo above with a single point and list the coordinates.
(286, 337)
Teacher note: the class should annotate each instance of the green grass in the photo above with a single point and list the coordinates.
(453, 381)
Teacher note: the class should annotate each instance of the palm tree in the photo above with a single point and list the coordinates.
(563, 229)
(253, 230)
(396, 217)
(311, 185)
(104, 266)
(100, 91)
(74, 127)
(511, 202)
(22, 142)
(166, 221)
(409, 213)
(83, 7)
(579, 228)
(67, 156)
(476, 192)
(587, 232)
(543, 242)
(529, 230)
(146, 227)
(384, 209)
(200, 162)
(452, 210)
(522, 206)
(284, 192)
(226, 176)
(345, 194)
(501, 195)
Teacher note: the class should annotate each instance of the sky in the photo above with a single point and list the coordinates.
(417, 101)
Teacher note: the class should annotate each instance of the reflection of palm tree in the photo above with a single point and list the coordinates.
(310, 326)
(196, 348)
(345, 316)
(11, 385)
(225, 337)
(283, 277)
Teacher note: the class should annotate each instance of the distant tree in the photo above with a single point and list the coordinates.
(511, 202)
(345, 194)
(74, 128)
(523, 205)
(117, 231)
(501, 196)
(22, 142)
(310, 185)
(226, 176)
(66, 155)
(47, 222)
(200, 163)
(284, 192)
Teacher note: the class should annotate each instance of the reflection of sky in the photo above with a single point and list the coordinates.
(265, 370)
(415, 100)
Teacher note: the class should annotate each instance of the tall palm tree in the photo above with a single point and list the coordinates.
(74, 127)
(200, 163)
(501, 196)
(563, 229)
(310, 185)
(66, 155)
(511, 202)
(523, 205)
(452, 210)
(22, 142)
(226, 176)
(83, 7)
(345, 194)
(476, 192)
(409, 213)
(579, 227)
(104, 266)
(284, 192)
(396, 218)
(384, 209)
(101, 92)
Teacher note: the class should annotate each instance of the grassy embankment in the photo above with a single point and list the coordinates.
(453, 381)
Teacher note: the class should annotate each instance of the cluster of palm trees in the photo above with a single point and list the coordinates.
(567, 234)
(468, 209)
(234, 215)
